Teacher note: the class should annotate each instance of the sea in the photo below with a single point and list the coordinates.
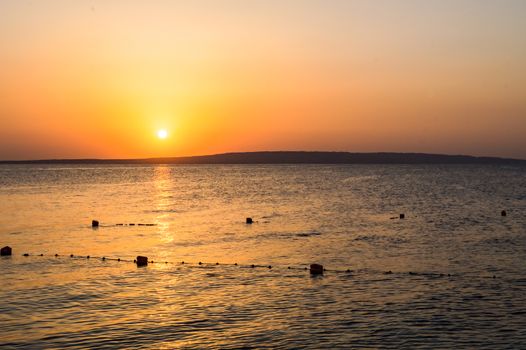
(450, 274)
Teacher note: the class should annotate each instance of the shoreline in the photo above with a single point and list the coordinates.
(291, 157)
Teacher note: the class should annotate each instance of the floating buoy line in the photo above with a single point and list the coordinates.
(96, 224)
(313, 269)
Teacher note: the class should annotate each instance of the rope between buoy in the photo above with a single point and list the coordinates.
(247, 266)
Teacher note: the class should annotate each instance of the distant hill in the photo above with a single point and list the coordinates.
(293, 157)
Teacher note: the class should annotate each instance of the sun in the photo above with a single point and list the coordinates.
(162, 133)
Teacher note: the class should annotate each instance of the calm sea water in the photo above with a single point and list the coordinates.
(339, 216)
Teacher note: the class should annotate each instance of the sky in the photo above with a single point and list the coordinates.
(99, 79)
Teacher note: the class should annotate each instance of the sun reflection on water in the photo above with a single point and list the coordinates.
(163, 202)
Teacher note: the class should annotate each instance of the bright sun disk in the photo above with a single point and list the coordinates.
(162, 134)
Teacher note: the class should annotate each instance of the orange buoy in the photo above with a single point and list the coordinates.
(5, 251)
(142, 260)
(316, 269)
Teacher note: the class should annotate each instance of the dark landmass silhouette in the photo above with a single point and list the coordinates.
(292, 157)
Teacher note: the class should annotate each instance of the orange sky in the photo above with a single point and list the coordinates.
(99, 78)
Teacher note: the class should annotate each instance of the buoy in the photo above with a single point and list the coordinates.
(402, 216)
(56, 255)
(70, 255)
(348, 271)
(94, 223)
(119, 259)
(316, 269)
(142, 260)
(200, 263)
(270, 266)
(389, 272)
(249, 221)
(103, 258)
(503, 213)
(6, 251)
(252, 266)
(26, 254)
(87, 257)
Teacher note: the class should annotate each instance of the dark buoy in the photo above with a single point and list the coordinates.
(249, 221)
(70, 255)
(26, 254)
(142, 260)
(316, 269)
(503, 213)
(94, 223)
(402, 216)
(6, 251)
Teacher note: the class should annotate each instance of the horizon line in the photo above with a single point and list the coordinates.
(248, 153)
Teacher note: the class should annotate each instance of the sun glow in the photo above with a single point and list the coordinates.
(162, 133)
